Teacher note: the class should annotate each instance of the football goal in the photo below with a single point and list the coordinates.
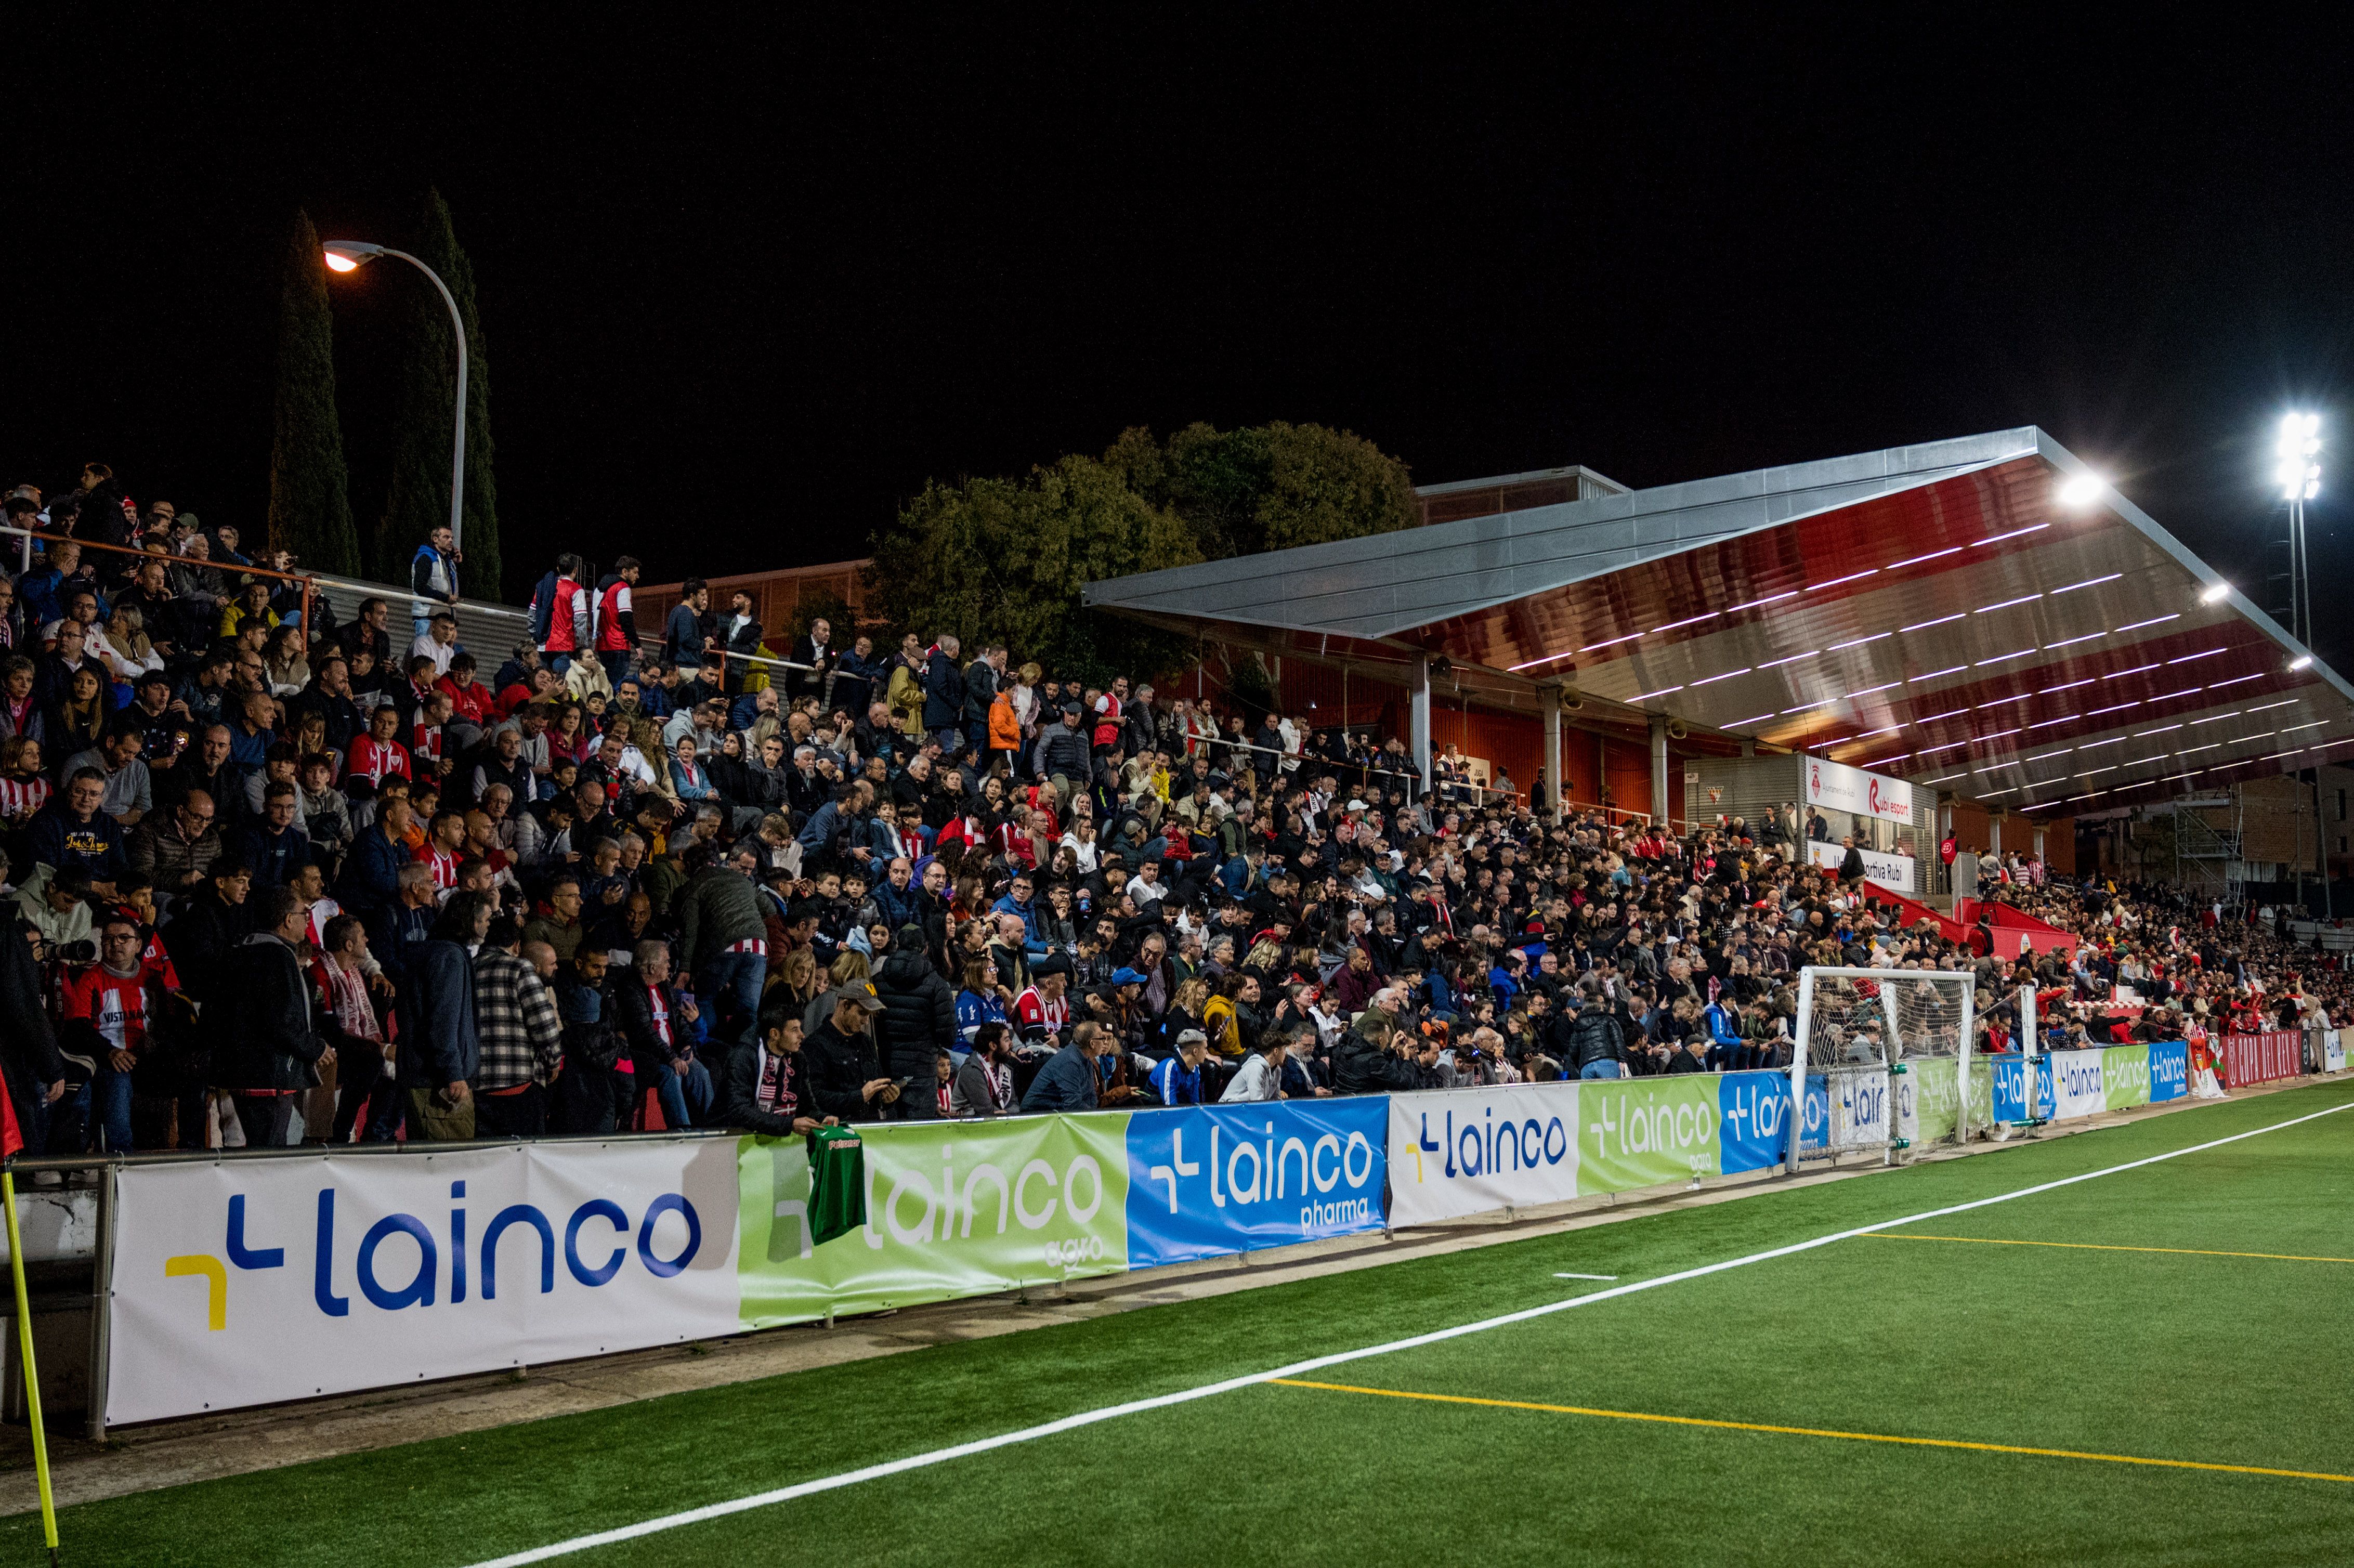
(1882, 1062)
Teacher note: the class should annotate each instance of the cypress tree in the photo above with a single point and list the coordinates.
(419, 497)
(310, 498)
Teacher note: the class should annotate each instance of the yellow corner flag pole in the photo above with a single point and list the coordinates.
(32, 1376)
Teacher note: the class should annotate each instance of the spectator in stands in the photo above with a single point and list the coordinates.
(433, 580)
(266, 1047)
(690, 628)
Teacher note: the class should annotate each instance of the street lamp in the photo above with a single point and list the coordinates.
(2299, 478)
(350, 256)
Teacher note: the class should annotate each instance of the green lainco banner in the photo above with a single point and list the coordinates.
(2125, 1077)
(953, 1209)
(1639, 1132)
(1935, 1100)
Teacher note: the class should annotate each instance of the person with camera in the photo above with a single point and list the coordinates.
(111, 1010)
(846, 1078)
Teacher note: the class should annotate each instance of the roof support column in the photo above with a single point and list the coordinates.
(1994, 836)
(1661, 814)
(1553, 747)
(1419, 723)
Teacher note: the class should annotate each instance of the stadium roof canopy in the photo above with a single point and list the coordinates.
(1982, 616)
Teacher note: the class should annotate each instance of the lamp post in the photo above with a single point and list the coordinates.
(350, 256)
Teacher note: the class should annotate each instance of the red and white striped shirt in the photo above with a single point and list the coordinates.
(22, 797)
(374, 759)
(444, 867)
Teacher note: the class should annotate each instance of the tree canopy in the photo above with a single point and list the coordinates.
(419, 498)
(310, 495)
(1003, 560)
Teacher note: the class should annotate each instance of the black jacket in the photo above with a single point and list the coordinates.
(633, 1016)
(918, 1015)
(840, 1067)
(1361, 1067)
(264, 1036)
(28, 1049)
(739, 1092)
(1593, 1036)
(943, 693)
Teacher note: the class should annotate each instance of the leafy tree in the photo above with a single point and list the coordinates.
(1001, 560)
(310, 498)
(420, 493)
(1269, 487)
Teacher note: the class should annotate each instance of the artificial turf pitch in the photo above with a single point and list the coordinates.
(2039, 1373)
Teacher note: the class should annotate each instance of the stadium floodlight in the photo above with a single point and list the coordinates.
(2302, 661)
(2216, 594)
(2299, 475)
(350, 256)
(2080, 490)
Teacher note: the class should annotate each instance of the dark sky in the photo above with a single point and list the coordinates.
(745, 289)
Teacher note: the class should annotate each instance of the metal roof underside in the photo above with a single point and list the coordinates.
(1932, 612)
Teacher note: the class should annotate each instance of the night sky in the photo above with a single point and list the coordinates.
(744, 290)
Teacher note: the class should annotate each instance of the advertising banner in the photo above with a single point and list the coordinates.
(2333, 1052)
(1470, 1151)
(2009, 1088)
(2076, 1084)
(1641, 1132)
(1208, 1180)
(953, 1208)
(2261, 1058)
(1753, 1113)
(1894, 871)
(1843, 788)
(2125, 1077)
(2170, 1071)
(1859, 1107)
(247, 1281)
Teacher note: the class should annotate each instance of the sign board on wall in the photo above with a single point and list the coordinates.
(1838, 787)
(1894, 871)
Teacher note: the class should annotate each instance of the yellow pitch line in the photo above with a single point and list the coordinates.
(1813, 1432)
(2098, 1246)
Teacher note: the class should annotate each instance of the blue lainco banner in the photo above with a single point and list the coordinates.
(1208, 1180)
(2170, 1071)
(1751, 1110)
(2010, 1088)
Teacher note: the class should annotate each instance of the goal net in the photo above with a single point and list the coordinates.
(1882, 1062)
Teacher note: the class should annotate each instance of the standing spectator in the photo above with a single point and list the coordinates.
(691, 627)
(723, 939)
(267, 1048)
(739, 640)
(433, 578)
(439, 1046)
(617, 620)
(844, 1078)
(944, 696)
(522, 1038)
(561, 613)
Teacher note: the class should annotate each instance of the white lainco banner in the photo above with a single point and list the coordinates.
(1894, 871)
(1464, 1151)
(1845, 789)
(247, 1281)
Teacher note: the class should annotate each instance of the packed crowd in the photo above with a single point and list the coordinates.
(341, 877)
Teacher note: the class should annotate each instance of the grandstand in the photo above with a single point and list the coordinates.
(408, 1006)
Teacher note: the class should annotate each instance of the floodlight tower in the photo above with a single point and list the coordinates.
(2299, 477)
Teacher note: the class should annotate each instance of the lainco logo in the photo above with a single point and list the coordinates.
(420, 1288)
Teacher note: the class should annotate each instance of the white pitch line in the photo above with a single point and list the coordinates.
(1250, 1380)
(1585, 1276)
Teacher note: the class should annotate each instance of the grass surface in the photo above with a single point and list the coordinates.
(2217, 1359)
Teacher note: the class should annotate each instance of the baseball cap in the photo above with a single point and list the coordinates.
(858, 993)
(1127, 977)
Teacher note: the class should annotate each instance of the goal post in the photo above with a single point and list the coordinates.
(1882, 1062)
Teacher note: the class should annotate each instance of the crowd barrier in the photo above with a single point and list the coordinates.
(2262, 1058)
(264, 1279)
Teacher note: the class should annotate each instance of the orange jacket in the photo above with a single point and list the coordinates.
(1004, 724)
